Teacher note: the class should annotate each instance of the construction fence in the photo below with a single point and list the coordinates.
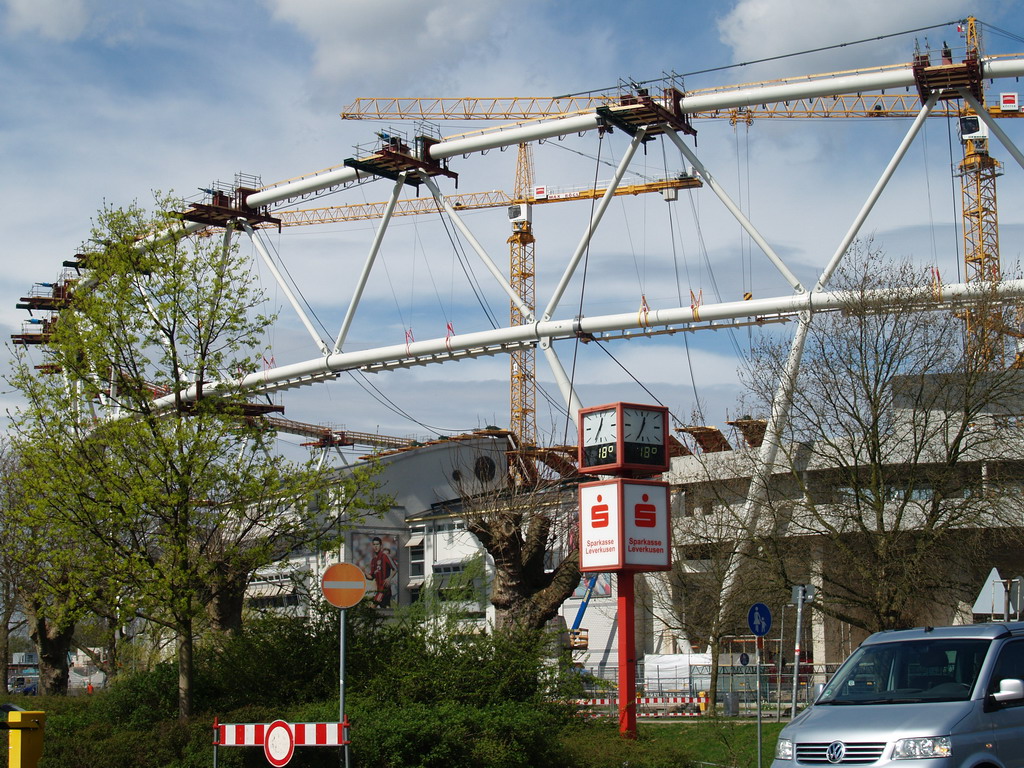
(659, 694)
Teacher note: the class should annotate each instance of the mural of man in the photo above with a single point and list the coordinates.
(382, 571)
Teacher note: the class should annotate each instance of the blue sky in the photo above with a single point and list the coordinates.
(106, 100)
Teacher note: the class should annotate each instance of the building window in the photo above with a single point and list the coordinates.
(453, 584)
(417, 554)
(484, 469)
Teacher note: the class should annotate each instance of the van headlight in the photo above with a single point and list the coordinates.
(932, 746)
(784, 749)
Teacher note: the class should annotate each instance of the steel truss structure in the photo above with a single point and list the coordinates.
(668, 117)
(640, 117)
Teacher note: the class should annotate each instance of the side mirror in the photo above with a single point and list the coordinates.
(1009, 690)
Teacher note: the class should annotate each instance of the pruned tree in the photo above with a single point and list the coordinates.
(167, 484)
(525, 530)
(707, 534)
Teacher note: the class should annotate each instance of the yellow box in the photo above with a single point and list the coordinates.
(25, 738)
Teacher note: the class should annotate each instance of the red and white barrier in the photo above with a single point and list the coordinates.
(699, 701)
(279, 738)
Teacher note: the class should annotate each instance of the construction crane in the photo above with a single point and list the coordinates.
(522, 364)
(977, 171)
(469, 201)
(523, 361)
(522, 264)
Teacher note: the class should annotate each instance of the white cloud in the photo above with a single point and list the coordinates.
(53, 19)
(371, 42)
(757, 29)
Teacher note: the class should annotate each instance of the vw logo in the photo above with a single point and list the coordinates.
(835, 752)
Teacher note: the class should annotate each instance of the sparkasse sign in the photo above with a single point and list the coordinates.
(624, 525)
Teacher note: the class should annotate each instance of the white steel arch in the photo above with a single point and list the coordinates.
(329, 361)
(548, 329)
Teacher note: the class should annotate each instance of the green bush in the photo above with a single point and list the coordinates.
(275, 660)
(450, 734)
(418, 693)
(140, 700)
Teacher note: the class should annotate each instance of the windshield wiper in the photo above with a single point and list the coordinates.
(844, 702)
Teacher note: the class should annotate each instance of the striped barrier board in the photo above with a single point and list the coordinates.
(699, 701)
(279, 738)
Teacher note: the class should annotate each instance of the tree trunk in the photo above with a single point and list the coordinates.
(227, 601)
(5, 653)
(53, 643)
(185, 668)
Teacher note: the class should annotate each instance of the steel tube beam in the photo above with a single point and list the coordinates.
(364, 276)
(284, 286)
(602, 206)
(924, 297)
(496, 273)
(869, 204)
(562, 379)
(875, 80)
(734, 209)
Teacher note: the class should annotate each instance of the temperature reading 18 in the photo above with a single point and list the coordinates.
(599, 454)
(638, 453)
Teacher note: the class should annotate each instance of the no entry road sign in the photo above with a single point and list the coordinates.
(343, 585)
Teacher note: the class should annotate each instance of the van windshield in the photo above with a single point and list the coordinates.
(906, 672)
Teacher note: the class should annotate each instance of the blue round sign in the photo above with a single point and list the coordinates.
(759, 619)
(744, 659)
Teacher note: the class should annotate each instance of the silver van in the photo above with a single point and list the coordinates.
(933, 697)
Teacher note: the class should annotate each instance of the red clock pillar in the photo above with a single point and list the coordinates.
(627, 656)
(624, 520)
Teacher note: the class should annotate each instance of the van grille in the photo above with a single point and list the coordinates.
(857, 753)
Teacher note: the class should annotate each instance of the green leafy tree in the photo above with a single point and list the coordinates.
(12, 555)
(139, 450)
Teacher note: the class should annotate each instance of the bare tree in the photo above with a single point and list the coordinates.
(898, 483)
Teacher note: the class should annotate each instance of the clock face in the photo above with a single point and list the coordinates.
(599, 427)
(599, 438)
(640, 425)
(643, 436)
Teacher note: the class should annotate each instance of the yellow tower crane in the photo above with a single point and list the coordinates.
(978, 172)
(978, 169)
(522, 266)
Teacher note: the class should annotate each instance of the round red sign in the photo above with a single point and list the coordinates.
(343, 585)
(278, 744)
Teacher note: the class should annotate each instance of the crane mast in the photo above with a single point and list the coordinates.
(978, 171)
(523, 361)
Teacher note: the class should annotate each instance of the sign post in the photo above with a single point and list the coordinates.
(802, 593)
(343, 586)
(759, 619)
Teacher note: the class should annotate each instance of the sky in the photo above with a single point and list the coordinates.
(106, 101)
